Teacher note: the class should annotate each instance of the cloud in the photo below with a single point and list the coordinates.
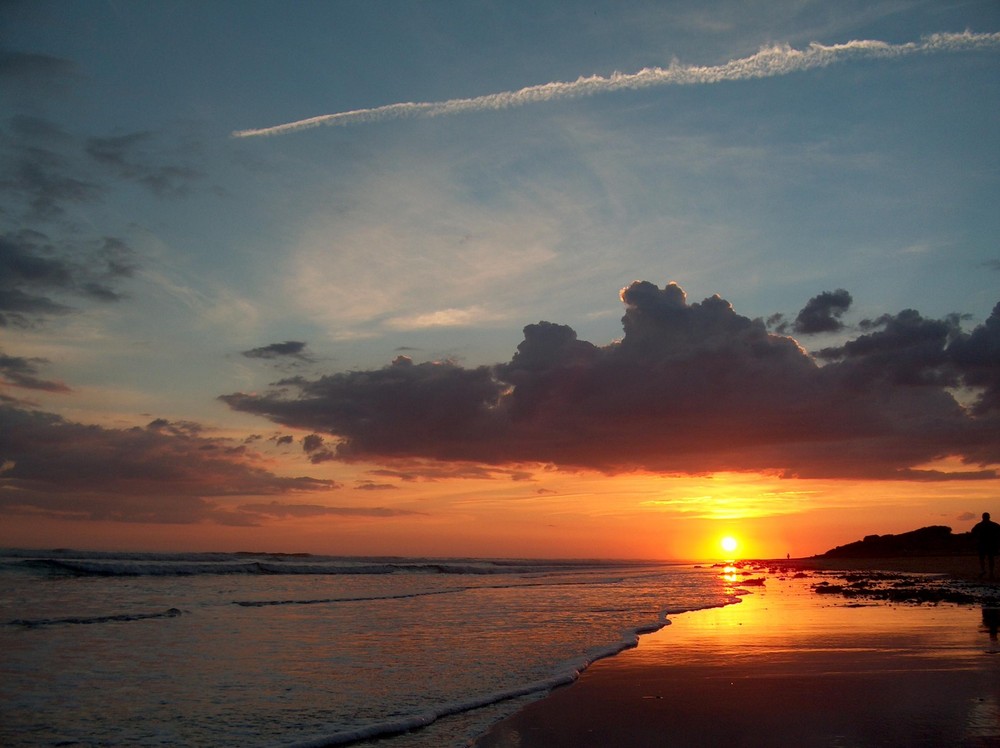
(47, 181)
(775, 60)
(438, 245)
(29, 74)
(368, 485)
(37, 274)
(166, 472)
(291, 348)
(977, 357)
(44, 169)
(48, 263)
(23, 372)
(129, 157)
(904, 349)
(49, 168)
(277, 509)
(822, 313)
(15, 64)
(47, 173)
(467, 317)
(690, 388)
(411, 470)
(314, 446)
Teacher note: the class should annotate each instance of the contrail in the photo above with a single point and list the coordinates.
(770, 61)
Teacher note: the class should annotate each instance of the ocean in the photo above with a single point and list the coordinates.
(220, 649)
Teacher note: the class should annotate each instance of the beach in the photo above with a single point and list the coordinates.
(789, 667)
(152, 649)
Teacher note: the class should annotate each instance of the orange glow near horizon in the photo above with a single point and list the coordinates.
(540, 513)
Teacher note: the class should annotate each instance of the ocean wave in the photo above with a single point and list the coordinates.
(138, 568)
(78, 563)
(87, 620)
(328, 600)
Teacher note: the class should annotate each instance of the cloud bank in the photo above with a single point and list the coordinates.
(776, 60)
(689, 389)
(166, 472)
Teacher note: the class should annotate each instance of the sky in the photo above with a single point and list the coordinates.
(505, 279)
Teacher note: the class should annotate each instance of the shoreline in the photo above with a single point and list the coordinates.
(789, 667)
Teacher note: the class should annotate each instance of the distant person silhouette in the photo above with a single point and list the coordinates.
(991, 621)
(987, 537)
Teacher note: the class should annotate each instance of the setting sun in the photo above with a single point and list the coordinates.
(729, 544)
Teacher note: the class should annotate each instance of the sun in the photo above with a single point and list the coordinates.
(729, 544)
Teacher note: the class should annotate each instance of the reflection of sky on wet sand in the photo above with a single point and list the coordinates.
(786, 665)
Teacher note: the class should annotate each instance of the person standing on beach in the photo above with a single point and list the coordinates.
(987, 537)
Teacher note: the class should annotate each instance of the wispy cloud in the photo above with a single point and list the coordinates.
(442, 318)
(770, 61)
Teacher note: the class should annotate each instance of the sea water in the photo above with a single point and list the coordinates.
(111, 649)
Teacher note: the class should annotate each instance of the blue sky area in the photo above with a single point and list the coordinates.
(155, 261)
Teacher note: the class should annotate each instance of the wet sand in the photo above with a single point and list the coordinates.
(785, 667)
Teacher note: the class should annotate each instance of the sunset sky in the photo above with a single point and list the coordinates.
(595, 279)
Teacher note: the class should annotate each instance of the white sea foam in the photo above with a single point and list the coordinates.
(562, 676)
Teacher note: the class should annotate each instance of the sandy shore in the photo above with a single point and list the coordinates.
(787, 667)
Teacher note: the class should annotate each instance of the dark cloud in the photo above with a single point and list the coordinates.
(368, 485)
(822, 313)
(133, 157)
(389, 409)
(38, 276)
(166, 472)
(47, 173)
(905, 349)
(28, 128)
(23, 372)
(48, 169)
(47, 182)
(188, 429)
(314, 446)
(290, 348)
(32, 66)
(690, 388)
(977, 357)
(413, 470)
(30, 74)
(277, 509)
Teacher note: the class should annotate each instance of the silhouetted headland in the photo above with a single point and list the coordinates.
(936, 540)
(934, 549)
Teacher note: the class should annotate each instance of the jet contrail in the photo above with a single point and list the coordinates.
(770, 61)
